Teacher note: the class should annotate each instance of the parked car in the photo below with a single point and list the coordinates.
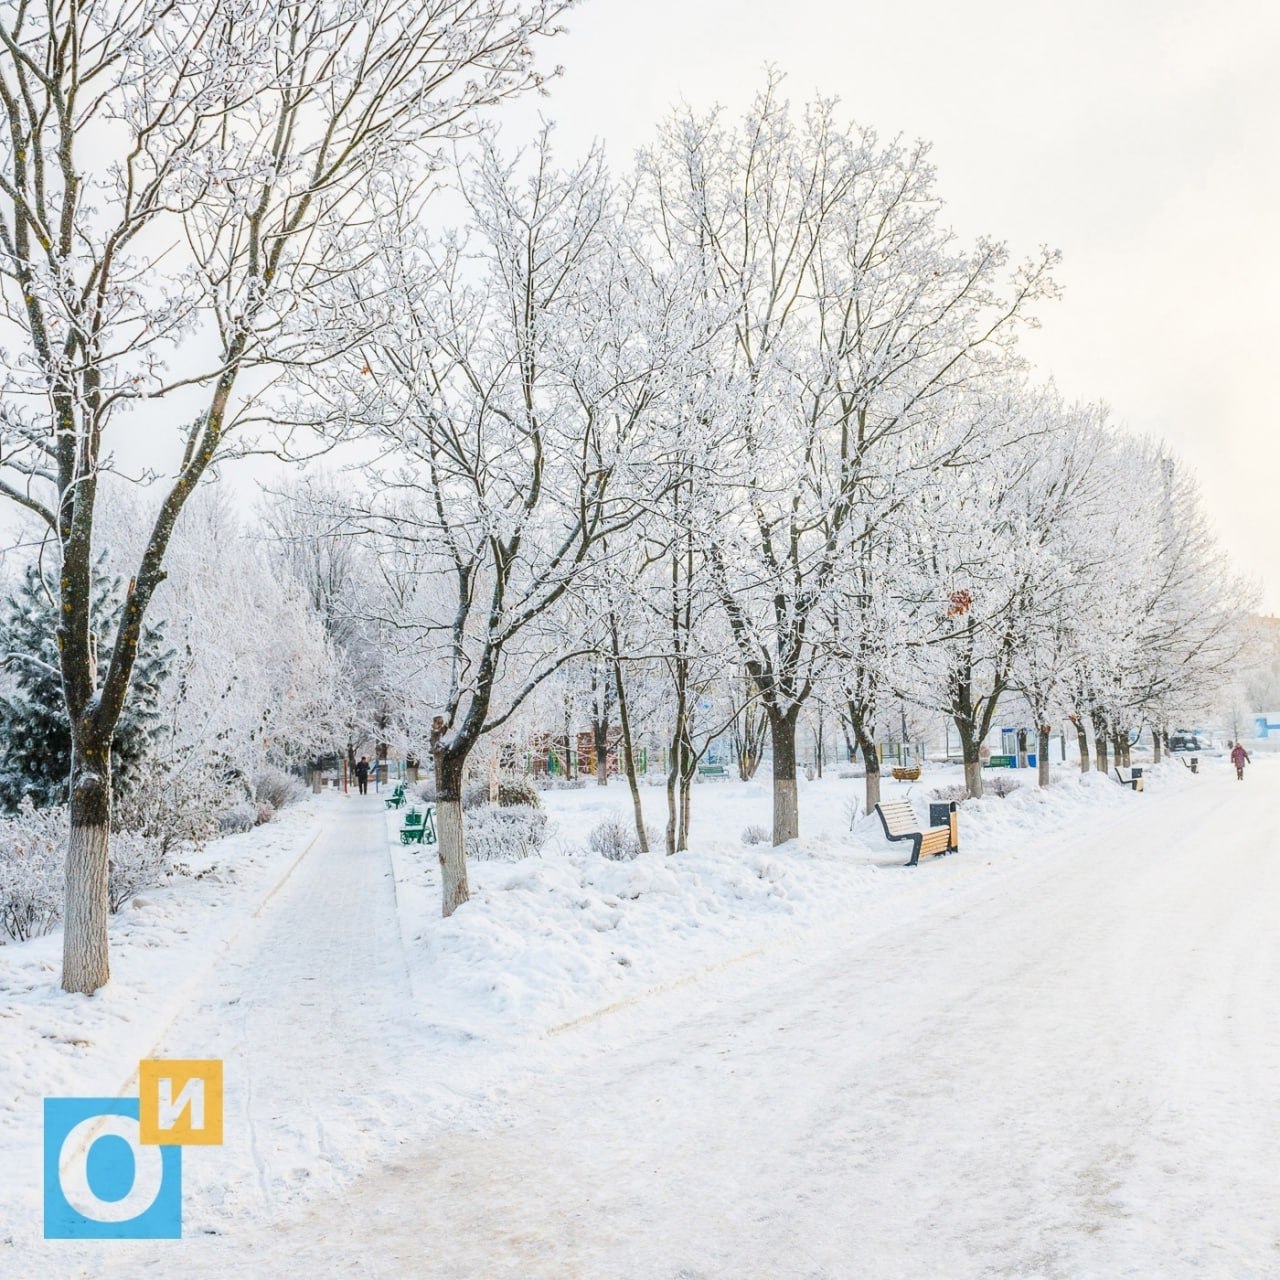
(1184, 742)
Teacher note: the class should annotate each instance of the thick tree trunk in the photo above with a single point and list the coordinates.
(1042, 756)
(452, 849)
(1101, 762)
(973, 778)
(786, 799)
(1155, 746)
(85, 957)
(971, 754)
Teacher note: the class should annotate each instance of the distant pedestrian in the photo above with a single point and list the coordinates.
(1239, 758)
(362, 775)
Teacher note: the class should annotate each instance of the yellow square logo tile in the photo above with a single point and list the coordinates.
(180, 1102)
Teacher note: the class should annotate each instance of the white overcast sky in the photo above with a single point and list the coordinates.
(1141, 138)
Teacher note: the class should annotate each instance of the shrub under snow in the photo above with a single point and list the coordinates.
(496, 833)
(615, 838)
(277, 788)
(137, 863)
(756, 835)
(33, 849)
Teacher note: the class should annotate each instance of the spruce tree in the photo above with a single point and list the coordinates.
(35, 739)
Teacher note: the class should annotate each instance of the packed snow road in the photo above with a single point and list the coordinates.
(1071, 1073)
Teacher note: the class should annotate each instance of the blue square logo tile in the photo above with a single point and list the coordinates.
(100, 1181)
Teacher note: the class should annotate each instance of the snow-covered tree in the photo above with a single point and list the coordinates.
(175, 182)
(33, 721)
(853, 320)
(511, 395)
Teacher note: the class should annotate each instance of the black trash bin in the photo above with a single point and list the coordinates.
(944, 815)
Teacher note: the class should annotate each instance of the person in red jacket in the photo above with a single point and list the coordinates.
(1239, 758)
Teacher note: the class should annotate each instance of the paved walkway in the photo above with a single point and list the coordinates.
(306, 1007)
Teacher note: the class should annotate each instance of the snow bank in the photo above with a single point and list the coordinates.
(552, 940)
(162, 943)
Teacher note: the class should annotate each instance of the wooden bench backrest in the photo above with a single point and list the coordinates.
(899, 817)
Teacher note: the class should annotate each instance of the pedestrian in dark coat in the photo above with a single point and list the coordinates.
(1239, 758)
(362, 775)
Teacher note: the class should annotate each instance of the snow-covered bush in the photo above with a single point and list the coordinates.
(277, 788)
(475, 795)
(138, 862)
(850, 773)
(511, 792)
(560, 784)
(614, 837)
(756, 835)
(33, 846)
(264, 811)
(1003, 785)
(518, 791)
(175, 805)
(238, 818)
(952, 791)
(504, 834)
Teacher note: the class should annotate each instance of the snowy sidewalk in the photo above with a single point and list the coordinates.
(1065, 1073)
(304, 1011)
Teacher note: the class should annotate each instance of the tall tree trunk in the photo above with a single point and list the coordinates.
(969, 751)
(1101, 763)
(600, 731)
(628, 748)
(1155, 745)
(786, 799)
(870, 758)
(85, 962)
(686, 803)
(1042, 755)
(749, 728)
(1082, 742)
(451, 767)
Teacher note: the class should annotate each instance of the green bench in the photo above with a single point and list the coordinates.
(396, 799)
(712, 771)
(1002, 762)
(419, 827)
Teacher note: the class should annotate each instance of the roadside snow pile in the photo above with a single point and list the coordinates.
(547, 940)
(162, 941)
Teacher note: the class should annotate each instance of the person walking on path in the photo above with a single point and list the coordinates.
(362, 775)
(1239, 758)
